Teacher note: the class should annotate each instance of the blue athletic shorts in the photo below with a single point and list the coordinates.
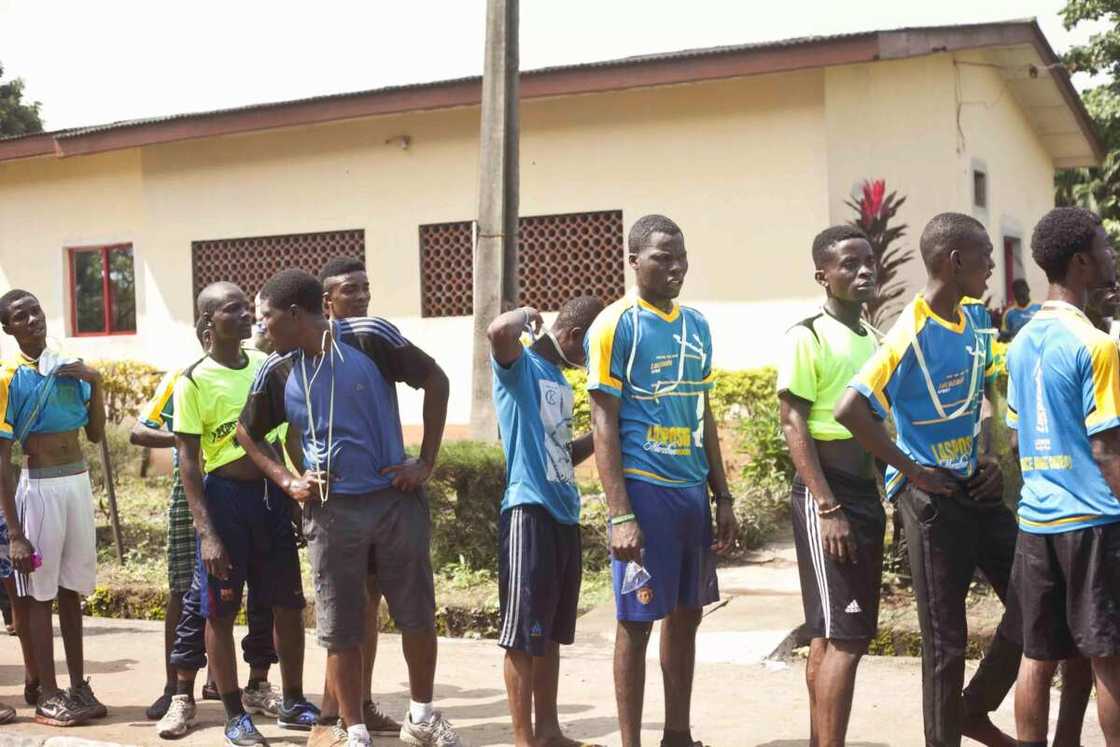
(677, 526)
(253, 521)
(539, 572)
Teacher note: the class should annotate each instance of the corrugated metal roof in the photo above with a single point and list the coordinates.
(598, 64)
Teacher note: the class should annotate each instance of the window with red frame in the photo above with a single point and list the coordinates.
(102, 290)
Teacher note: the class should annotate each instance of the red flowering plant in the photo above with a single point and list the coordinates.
(876, 210)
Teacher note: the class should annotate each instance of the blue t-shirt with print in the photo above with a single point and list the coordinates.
(534, 405)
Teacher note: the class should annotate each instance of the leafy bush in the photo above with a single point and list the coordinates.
(128, 385)
(466, 493)
(581, 407)
(761, 508)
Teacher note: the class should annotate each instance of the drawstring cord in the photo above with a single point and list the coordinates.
(316, 454)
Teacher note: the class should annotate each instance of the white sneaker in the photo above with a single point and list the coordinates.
(436, 732)
(262, 699)
(179, 718)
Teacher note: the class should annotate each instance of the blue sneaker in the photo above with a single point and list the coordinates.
(301, 715)
(240, 732)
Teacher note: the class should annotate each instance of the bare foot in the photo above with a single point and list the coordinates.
(559, 740)
(981, 729)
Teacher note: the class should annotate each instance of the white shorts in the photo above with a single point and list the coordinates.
(57, 518)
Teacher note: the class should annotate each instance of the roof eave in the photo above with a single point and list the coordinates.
(641, 72)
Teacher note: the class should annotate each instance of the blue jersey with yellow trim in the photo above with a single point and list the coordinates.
(1063, 386)
(661, 369)
(929, 374)
(64, 409)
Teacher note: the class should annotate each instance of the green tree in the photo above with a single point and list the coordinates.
(1097, 188)
(16, 116)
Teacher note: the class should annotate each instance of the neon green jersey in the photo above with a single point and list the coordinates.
(208, 401)
(822, 355)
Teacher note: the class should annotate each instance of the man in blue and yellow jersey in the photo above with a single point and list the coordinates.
(838, 518)
(1019, 313)
(656, 446)
(930, 375)
(245, 534)
(1063, 400)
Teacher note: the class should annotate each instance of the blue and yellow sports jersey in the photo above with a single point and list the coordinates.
(160, 410)
(661, 370)
(1063, 386)
(64, 408)
(929, 374)
(1016, 317)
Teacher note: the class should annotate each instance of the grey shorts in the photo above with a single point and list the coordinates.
(350, 533)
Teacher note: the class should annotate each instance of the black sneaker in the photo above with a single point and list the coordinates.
(210, 692)
(159, 707)
(60, 710)
(84, 697)
(240, 732)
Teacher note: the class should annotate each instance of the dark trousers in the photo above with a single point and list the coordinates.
(949, 538)
(189, 650)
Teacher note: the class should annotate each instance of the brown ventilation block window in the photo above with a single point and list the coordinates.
(558, 257)
(249, 262)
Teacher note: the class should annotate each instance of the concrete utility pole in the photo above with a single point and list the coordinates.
(495, 250)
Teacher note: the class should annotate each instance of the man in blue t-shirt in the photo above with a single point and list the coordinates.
(657, 449)
(334, 383)
(930, 375)
(540, 559)
(1022, 311)
(1063, 400)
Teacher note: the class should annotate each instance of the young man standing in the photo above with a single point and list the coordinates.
(334, 382)
(244, 531)
(184, 626)
(45, 402)
(346, 295)
(838, 519)
(1022, 311)
(540, 560)
(1063, 400)
(930, 374)
(657, 450)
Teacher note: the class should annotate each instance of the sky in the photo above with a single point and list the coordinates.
(98, 62)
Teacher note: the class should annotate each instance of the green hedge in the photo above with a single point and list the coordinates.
(466, 495)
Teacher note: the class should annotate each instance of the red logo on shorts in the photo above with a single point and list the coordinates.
(227, 595)
(645, 595)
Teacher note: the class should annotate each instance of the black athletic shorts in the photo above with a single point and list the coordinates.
(540, 567)
(1067, 587)
(841, 600)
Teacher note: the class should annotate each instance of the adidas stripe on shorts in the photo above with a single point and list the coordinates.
(841, 600)
(539, 567)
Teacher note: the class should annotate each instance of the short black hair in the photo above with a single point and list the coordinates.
(579, 312)
(1062, 233)
(293, 287)
(647, 225)
(9, 298)
(945, 232)
(1020, 283)
(832, 236)
(340, 266)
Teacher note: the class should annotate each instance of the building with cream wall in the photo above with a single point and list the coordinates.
(751, 150)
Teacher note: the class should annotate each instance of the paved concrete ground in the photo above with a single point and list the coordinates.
(738, 700)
